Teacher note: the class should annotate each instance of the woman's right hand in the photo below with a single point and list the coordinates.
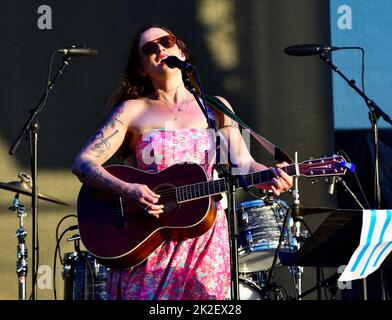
(145, 198)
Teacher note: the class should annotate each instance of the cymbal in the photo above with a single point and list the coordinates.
(25, 188)
(300, 212)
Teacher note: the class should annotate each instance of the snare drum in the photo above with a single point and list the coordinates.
(260, 225)
(84, 278)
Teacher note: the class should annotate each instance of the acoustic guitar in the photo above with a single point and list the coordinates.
(119, 234)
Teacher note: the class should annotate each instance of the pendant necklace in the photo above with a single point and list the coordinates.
(179, 106)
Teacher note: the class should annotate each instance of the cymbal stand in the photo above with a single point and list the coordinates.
(21, 264)
(297, 271)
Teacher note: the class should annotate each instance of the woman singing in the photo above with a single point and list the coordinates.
(152, 110)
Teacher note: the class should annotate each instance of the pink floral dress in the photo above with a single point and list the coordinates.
(192, 269)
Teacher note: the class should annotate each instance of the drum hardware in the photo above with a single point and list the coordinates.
(84, 278)
(269, 198)
(295, 271)
(24, 187)
(74, 238)
(21, 264)
(269, 287)
(58, 248)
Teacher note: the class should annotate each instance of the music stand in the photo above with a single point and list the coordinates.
(333, 243)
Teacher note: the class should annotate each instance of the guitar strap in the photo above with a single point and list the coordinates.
(278, 154)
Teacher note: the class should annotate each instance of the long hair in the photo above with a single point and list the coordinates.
(132, 84)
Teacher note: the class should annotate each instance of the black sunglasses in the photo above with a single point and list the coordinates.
(151, 47)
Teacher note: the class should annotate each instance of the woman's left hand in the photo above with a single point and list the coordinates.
(282, 182)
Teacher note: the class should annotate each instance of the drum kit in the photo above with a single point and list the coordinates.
(264, 242)
(84, 278)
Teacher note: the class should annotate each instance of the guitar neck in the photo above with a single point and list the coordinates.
(214, 187)
(331, 166)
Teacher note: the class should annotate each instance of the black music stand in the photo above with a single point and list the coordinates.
(333, 243)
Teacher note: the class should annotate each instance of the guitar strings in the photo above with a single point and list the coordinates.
(290, 170)
(217, 183)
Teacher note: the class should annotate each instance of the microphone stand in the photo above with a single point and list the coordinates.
(31, 127)
(375, 113)
(230, 187)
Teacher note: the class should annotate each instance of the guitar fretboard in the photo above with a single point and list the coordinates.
(213, 187)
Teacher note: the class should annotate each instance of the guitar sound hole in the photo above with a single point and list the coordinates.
(168, 197)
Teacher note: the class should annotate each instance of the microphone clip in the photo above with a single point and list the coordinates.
(332, 181)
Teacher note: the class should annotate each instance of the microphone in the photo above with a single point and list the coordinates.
(331, 186)
(79, 51)
(174, 62)
(308, 49)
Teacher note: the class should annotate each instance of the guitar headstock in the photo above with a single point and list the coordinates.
(328, 166)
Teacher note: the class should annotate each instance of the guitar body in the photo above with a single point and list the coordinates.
(125, 241)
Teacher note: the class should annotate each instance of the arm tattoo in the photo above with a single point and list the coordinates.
(90, 171)
(101, 144)
(112, 123)
(113, 117)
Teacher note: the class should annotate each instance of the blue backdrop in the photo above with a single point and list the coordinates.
(366, 24)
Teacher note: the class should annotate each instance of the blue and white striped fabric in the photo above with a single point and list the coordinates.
(374, 246)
